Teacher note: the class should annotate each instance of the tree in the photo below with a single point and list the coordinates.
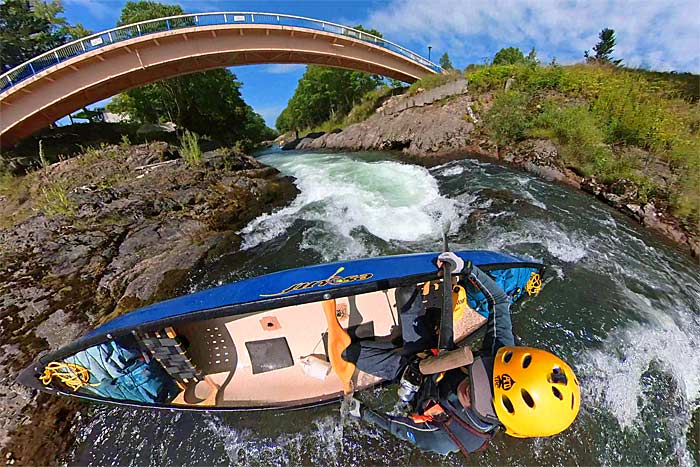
(207, 103)
(325, 93)
(603, 49)
(30, 28)
(509, 56)
(531, 58)
(374, 32)
(135, 12)
(445, 62)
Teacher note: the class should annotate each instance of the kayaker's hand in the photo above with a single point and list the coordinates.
(458, 265)
(355, 408)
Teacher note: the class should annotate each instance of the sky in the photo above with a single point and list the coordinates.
(660, 35)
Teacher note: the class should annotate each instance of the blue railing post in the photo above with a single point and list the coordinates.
(167, 21)
(31, 67)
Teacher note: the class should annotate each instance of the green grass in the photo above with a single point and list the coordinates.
(433, 81)
(55, 202)
(594, 113)
(42, 157)
(189, 148)
(359, 113)
(7, 181)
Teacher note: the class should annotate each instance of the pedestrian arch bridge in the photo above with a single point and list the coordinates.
(54, 84)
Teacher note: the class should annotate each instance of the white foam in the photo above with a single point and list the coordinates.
(389, 200)
(322, 441)
(452, 171)
(566, 246)
(613, 376)
(534, 201)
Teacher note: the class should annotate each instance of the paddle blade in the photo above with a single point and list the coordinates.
(338, 341)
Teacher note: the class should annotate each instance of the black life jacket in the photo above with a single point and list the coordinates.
(462, 424)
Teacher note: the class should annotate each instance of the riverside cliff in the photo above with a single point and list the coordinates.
(458, 119)
(89, 238)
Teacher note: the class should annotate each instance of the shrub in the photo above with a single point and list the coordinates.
(509, 119)
(576, 129)
(591, 108)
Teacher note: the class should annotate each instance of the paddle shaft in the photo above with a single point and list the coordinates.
(446, 336)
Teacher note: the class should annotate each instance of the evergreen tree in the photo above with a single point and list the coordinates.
(531, 58)
(445, 62)
(603, 49)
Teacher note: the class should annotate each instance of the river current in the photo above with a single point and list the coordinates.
(619, 304)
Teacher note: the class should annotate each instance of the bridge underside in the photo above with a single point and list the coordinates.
(68, 86)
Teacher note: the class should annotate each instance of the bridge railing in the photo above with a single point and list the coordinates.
(122, 33)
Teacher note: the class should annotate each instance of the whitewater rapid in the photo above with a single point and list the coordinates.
(620, 305)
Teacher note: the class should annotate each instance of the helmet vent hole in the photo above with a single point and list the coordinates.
(558, 376)
(557, 393)
(527, 398)
(507, 404)
(527, 359)
(507, 356)
(572, 402)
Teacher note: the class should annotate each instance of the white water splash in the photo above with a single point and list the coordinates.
(343, 196)
(566, 246)
(323, 443)
(452, 171)
(614, 375)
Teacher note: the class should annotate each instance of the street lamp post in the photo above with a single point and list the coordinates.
(430, 47)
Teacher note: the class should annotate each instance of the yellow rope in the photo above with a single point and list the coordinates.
(534, 285)
(72, 375)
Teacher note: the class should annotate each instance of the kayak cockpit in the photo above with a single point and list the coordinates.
(274, 358)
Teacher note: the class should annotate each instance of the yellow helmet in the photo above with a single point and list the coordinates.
(534, 392)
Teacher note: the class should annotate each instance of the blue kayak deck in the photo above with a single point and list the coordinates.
(280, 288)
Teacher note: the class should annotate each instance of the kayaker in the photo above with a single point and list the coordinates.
(529, 392)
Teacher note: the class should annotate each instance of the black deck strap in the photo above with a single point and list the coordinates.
(172, 357)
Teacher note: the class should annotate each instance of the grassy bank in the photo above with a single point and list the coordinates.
(614, 124)
(367, 106)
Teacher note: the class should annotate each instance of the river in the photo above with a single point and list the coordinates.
(619, 304)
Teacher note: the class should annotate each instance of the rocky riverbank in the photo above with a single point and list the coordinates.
(94, 236)
(451, 128)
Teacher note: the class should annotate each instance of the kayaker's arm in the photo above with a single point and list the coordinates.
(424, 435)
(499, 328)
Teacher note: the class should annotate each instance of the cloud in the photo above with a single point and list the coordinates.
(283, 68)
(663, 34)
